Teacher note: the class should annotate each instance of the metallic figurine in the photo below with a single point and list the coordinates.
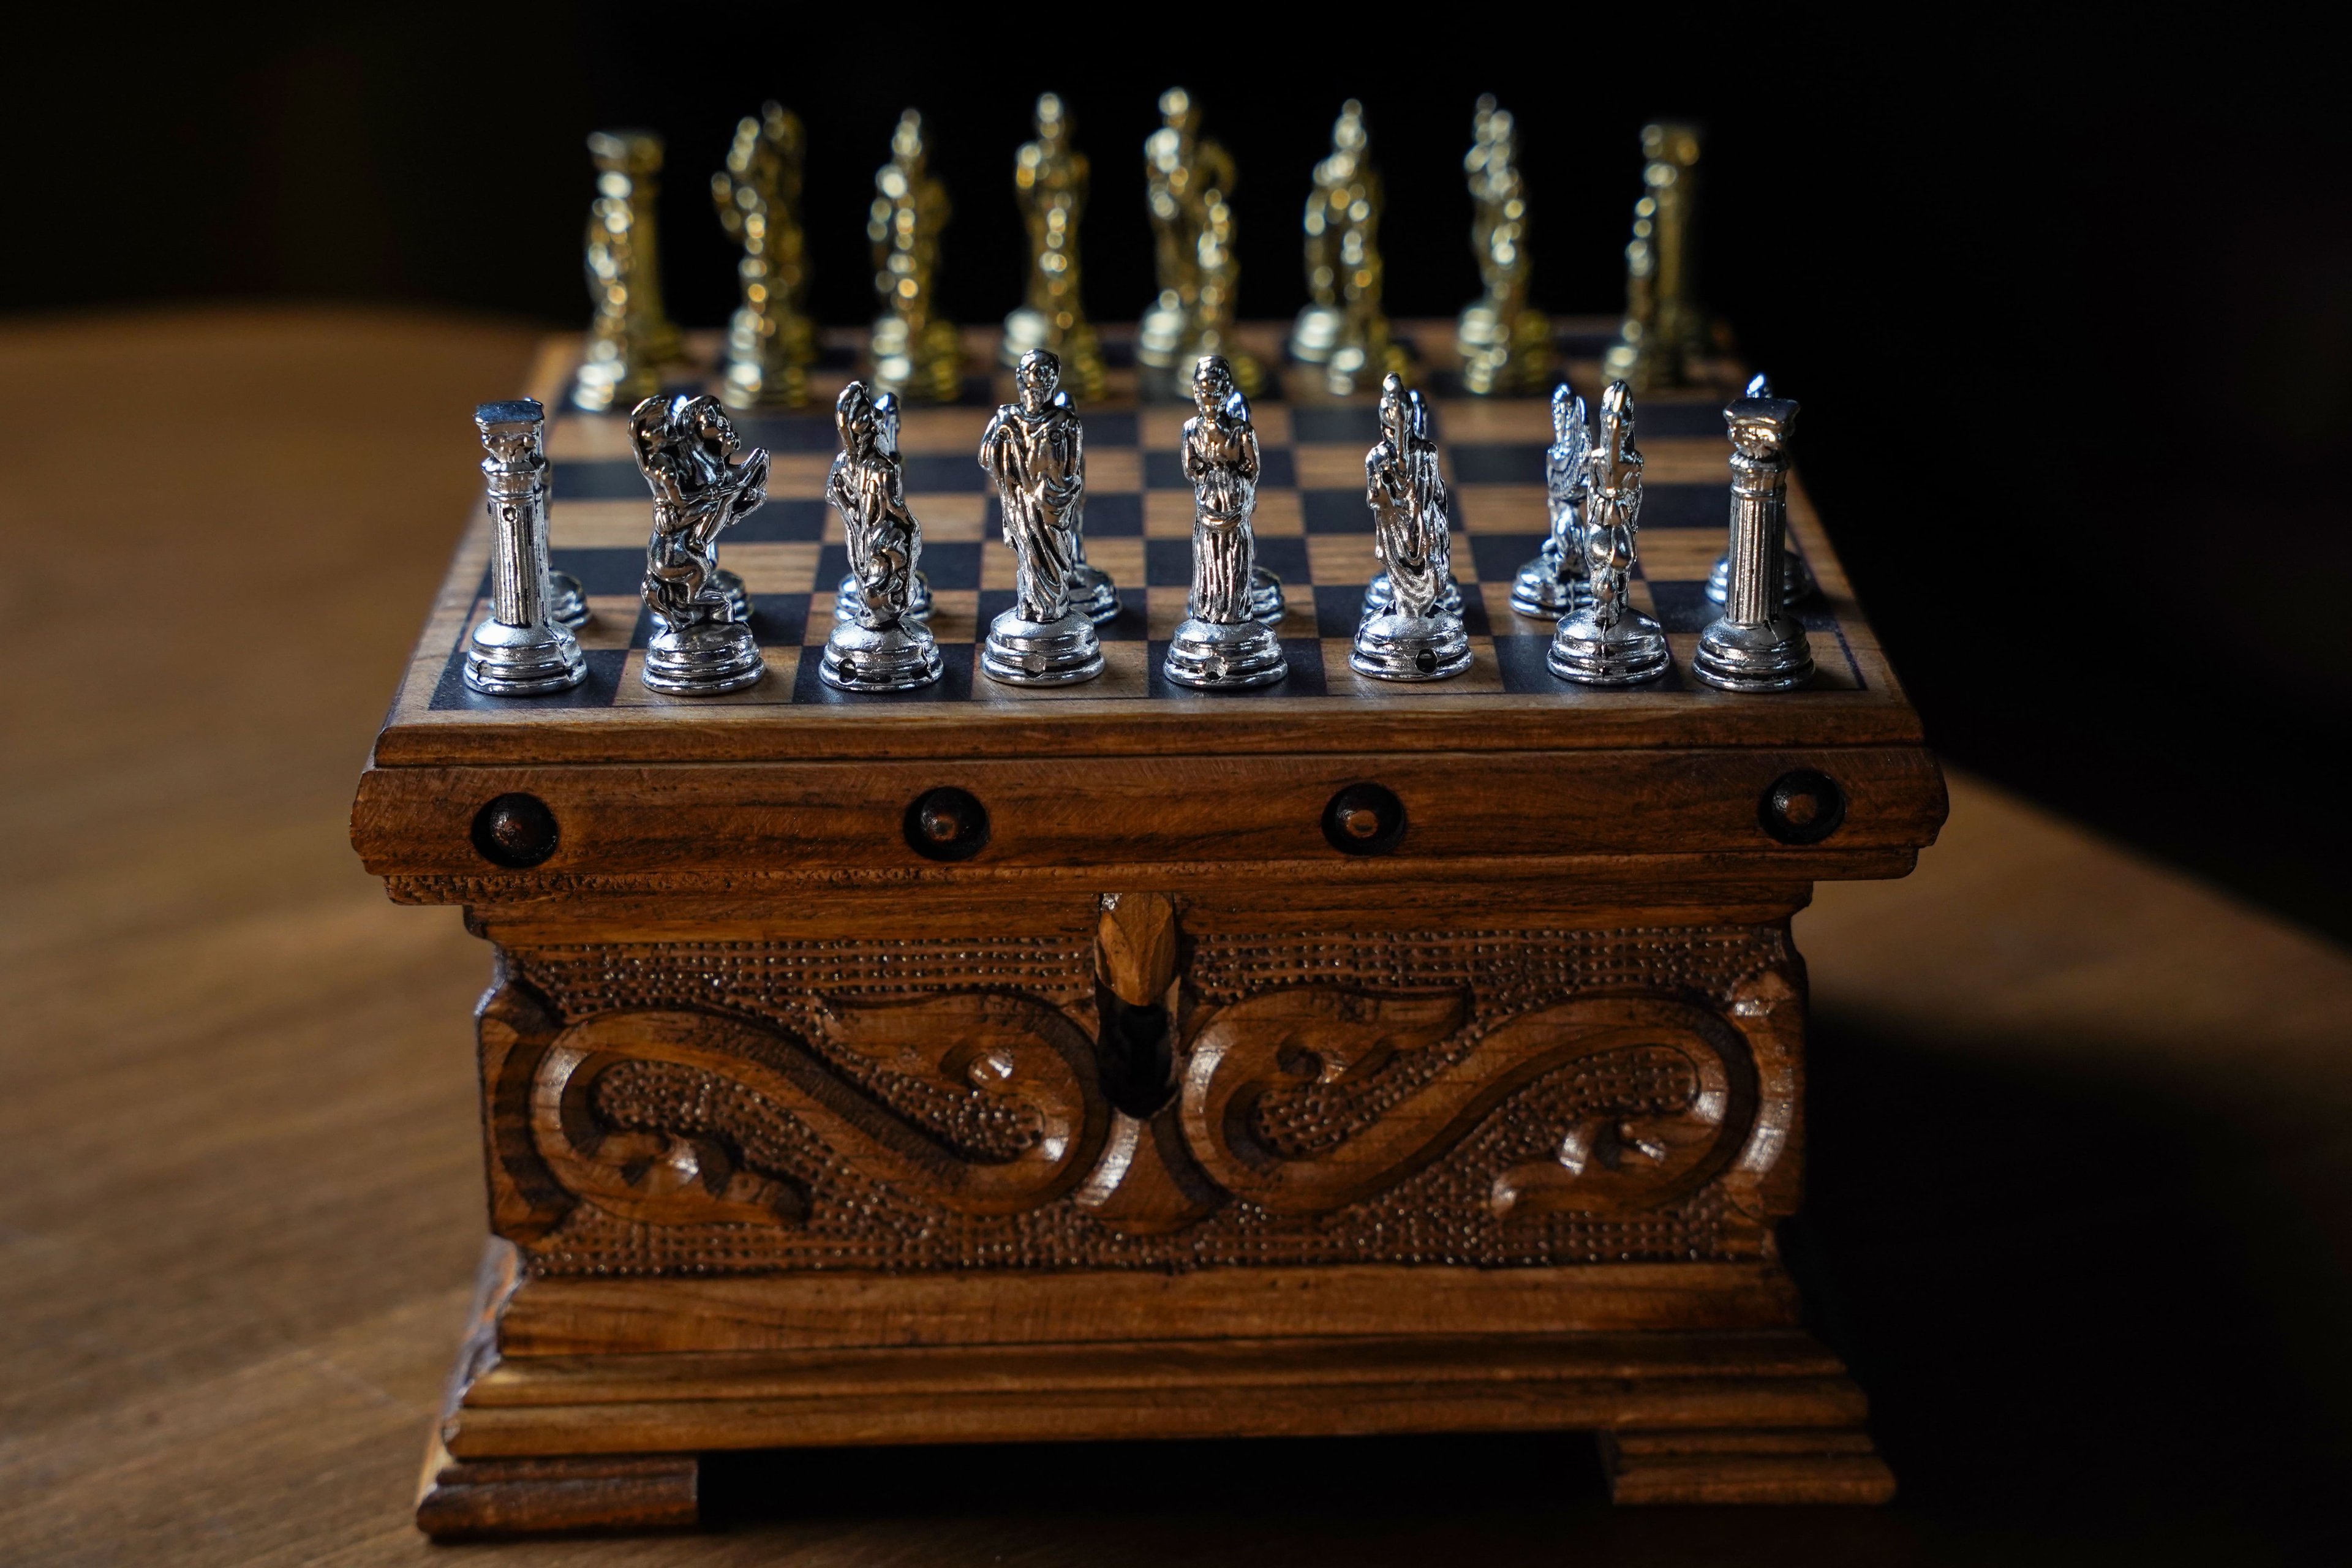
(1797, 582)
(1663, 325)
(1342, 329)
(1091, 589)
(916, 351)
(1187, 184)
(1506, 346)
(686, 449)
(1553, 584)
(882, 645)
(1034, 452)
(1050, 179)
(848, 597)
(1220, 644)
(1609, 642)
(630, 337)
(1756, 646)
(1412, 639)
(521, 650)
(770, 343)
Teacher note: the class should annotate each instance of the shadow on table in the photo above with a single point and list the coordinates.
(2097, 1322)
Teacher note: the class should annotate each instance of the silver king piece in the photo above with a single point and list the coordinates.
(686, 449)
(1610, 643)
(519, 650)
(1220, 645)
(1415, 637)
(880, 645)
(1033, 451)
(1756, 646)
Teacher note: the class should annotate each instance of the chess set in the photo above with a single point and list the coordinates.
(1208, 878)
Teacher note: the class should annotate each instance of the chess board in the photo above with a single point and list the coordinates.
(1313, 529)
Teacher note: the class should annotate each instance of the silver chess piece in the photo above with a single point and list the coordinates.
(1414, 638)
(1797, 581)
(1091, 589)
(883, 646)
(1553, 584)
(519, 650)
(686, 448)
(1033, 450)
(1379, 596)
(1756, 646)
(1609, 642)
(1221, 642)
(567, 602)
(845, 602)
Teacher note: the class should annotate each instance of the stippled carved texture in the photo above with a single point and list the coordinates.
(1458, 1195)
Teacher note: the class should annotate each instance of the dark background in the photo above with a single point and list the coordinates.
(2071, 320)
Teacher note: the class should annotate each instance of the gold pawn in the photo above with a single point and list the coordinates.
(1663, 327)
(915, 352)
(1049, 180)
(770, 343)
(1343, 328)
(1506, 346)
(630, 336)
(1188, 181)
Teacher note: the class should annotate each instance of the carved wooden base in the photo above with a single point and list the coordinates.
(458, 1499)
(1800, 1465)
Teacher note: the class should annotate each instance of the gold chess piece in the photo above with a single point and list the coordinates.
(1049, 179)
(1506, 346)
(1665, 327)
(630, 337)
(916, 351)
(1187, 186)
(1342, 328)
(770, 343)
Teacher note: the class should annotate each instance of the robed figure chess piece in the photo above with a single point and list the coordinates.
(1553, 584)
(848, 594)
(1506, 344)
(881, 645)
(1188, 187)
(519, 650)
(686, 448)
(1218, 645)
(916, 351)
(770, 340)
(1033, 451)
(1609, 642)
(1380, 594)
(1049, 179)
(1756, 646)
(1412, 639)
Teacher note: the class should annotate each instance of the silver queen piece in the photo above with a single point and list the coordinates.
(1610, 643)
(1415, 637)
(1033, 451)
(1219, 645)
(686, 449)
(879, 645)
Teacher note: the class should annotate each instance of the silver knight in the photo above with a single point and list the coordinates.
(520, 649)
(881, 645)
(846, 606)
(1797, 584)
(1034, 452)
(686, 448)
(1609, 642)
(1553, 584)
(1415, 637)
(1221, 644)
(1756, 646)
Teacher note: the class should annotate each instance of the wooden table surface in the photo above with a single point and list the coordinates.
(2080, 1212)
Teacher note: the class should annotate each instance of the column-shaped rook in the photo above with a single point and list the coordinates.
(1756, 646)
(519, 652)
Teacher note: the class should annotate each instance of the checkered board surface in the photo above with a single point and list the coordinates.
(1313, 529)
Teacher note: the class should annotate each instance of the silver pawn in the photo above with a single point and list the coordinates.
(519, 650)
(1415, 637)
(1799, 585)
(846, 606)
(686, 448)
(1756, 646)
(1034, 452)
(1609, 642)
(1553, 584)
(567, 602)
(1091, 589)
(883, 647)
(1221, 642)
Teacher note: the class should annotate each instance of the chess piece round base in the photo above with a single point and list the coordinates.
(1390, 647)
(604, 384)
(1631, 652)
(1214, 656)
(1316, 333)
(567, 605)
(1042, 653)
(879, 659)
(739, 602)
(703, 660)
(522, 661)
(1774, 656)
(1025, 329)
(849, 599)
(1094, 594)
(1795, 588)
(752, 386)
(1160, 336)
(1380, 597)
(1541, 594)
(1265, 600)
